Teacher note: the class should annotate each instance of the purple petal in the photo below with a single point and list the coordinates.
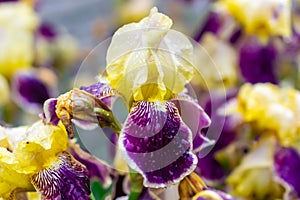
(156, 143)
(213, 24)
(65, 179)
(50, 116)
(287, 165)
(257, 62)
(47, 31)
(194, 117)
(101, 91)
(97, 169)
(208, 167)
(29, 91)
(2, 1)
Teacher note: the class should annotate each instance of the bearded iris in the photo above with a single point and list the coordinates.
(35, 158)
(149, 65)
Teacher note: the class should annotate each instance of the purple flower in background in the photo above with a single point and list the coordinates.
(287, 165)
(30, 91)
(257, 61)
(208, 166)
(2, 1)
(213, 24)
(47, 31)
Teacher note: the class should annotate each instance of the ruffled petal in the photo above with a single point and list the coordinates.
(66, 178)
(146, 60)
(287, 165)
(195, 120)
(157, 143)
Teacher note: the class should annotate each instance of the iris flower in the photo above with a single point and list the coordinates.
(149, 65)
(35, 158)
(262, 18)
(255, 177)
(269, 107)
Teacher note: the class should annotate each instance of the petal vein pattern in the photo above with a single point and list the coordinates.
(157, 143)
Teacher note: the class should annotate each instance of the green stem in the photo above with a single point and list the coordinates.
(136, 186)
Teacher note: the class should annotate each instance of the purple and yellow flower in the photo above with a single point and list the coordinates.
(269, 107)
(35, 158)
(255, 177)
(31, 88)
(149, 65)
(261, 18)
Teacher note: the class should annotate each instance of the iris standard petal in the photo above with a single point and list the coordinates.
(287, 165)
(65, 178)
(157, 143)
(146, 60)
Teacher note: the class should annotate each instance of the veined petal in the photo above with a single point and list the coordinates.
(147, 61)
(97, 169)
(66, 178)
(157, 143)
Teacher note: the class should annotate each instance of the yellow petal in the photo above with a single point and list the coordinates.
(18, 22)
(262, 18)
(148, 61)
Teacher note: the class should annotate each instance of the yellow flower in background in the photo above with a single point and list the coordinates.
(24, 151)
(148, 61)
(218, 69)
(263, 18)
(17, 24)
(254, 177)
(270, 108)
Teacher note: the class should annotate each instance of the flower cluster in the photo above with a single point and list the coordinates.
(214, 118)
